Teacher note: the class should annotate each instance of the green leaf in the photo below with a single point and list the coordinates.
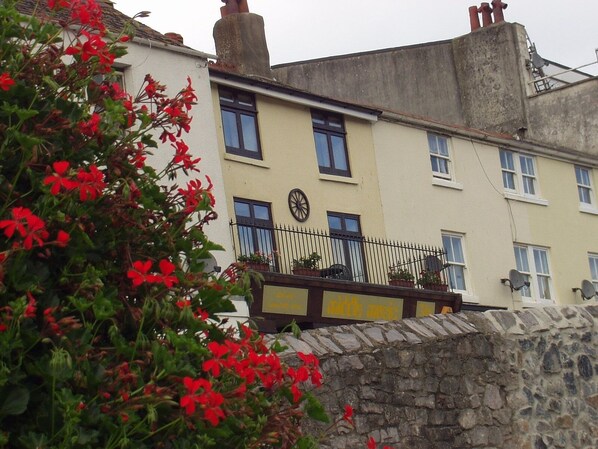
(315, 410)
(15, 401)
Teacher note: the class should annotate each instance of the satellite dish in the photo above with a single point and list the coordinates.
(210, 265)
(588, 291)
(433, 263)
(516, 280)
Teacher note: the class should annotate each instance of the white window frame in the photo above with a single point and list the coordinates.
(522, 171)
(587, 199)
(442, 159)
(454, 263)
(593, 261)
(537, 271)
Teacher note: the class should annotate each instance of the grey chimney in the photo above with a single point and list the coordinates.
(241, 40)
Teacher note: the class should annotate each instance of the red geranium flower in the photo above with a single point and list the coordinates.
(6, 81)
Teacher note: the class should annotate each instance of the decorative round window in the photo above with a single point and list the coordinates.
(299, 205)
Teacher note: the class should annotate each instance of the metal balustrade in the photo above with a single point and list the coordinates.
(359, 259)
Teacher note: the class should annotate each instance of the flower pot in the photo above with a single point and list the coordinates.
(306, 272)
(255, 266)
(436, 287)
(401, 283)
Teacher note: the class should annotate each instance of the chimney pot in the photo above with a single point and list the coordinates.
(486, 11)
(175, 37)
(474, 18)
(497, 10)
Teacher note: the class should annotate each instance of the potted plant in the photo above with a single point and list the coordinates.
(401, 277)
(308, 265)
(431, 280)
(257, 260)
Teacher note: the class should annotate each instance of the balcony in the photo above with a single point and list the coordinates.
(351, 283)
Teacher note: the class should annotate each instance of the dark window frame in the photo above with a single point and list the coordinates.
(346, 237)
(331, 131)
(256, 226)
(239, 108)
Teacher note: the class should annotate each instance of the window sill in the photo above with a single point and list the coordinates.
(526, 199)
(468, 297)
(588, 209)
(530, 304)
(245, 160)
(333, 178)
(447, 183)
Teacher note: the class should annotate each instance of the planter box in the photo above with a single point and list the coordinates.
(306, 272)
(258, 266)
(401, 283)
(436, 287)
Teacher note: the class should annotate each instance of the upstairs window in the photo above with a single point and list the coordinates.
(255, 227)
(584, 186)
(518, 173)
(439, 156)
(347, 243)
(239, 122)
(331, 147)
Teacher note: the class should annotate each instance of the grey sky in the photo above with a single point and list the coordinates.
(564, 31)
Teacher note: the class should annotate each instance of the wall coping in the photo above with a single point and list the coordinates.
(366, 337)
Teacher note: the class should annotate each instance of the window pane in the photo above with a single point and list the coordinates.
(521, 259)
(439, 165)
(242, 209)
(246, 240)
(529, 185)
(584, 195)
(506, 160)
(231, 133)
(527, 165)
(338, 152)
(508, 180)
(541, 261)
(582, 175)
(594, 267)
(442, 146)
(261, 212)
(322, 149)
(249, 132)
(544, 287)
(456, 277)
(352, 225)
(335, 223)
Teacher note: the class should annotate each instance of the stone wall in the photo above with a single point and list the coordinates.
(493, 380)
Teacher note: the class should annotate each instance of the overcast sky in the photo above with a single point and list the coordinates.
(563, 31)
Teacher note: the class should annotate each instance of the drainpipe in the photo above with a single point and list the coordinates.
(474, 18)
(497, 9)
(486, 11)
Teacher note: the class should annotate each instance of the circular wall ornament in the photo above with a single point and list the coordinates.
(299, 205)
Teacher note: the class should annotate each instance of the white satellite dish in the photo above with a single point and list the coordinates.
(588, 291)
(210, 265)
(516, 280)
(433, 263)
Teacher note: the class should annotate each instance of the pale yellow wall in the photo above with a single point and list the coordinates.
(417, 210)
(289, 161)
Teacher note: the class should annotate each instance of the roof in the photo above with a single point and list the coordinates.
(219, 71)
(114, 20)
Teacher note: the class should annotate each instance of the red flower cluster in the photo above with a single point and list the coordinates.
(195, 193)
(6, 81)
(141, 273)
(199, 392)
(182, 157)
(90, 183)
(27, 225)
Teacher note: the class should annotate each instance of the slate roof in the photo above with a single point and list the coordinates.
(112, 17)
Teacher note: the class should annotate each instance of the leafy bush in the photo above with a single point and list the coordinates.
(109, 335)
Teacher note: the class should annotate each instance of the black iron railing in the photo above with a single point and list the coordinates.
(358, 259)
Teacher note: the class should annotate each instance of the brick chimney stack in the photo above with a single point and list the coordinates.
(240, 39)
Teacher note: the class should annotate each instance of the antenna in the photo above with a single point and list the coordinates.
(588, 291)
(516, 281)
